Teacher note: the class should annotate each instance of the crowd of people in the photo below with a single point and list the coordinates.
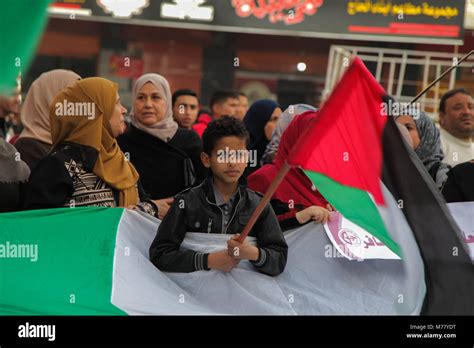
(74, 148)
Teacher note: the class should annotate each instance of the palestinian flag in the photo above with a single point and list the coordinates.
(349, 151)
(22, 23)
(95, 261)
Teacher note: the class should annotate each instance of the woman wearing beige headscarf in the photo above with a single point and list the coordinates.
(86, 166)
(167, 157)
(34, 141)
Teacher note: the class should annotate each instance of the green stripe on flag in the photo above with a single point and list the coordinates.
(75, 258)
(356, 206)
(22, 23)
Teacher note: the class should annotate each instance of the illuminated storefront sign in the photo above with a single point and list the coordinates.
(123, 8)
(426, 21)
(288, 12)
(187, 9)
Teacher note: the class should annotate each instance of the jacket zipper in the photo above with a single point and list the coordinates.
(235, 211)
(222, 214)
(209, 225)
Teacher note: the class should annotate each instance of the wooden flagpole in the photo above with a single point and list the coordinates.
(265, 199)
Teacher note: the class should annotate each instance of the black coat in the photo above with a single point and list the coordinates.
(32, 150)
(160, 165)
(195, 210)
(460, 184)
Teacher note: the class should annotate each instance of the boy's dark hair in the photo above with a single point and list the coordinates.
(225, 126)
(242, 94)
(222, 96)
(449, 94)
(181, 92)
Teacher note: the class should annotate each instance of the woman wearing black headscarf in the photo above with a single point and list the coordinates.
(260, 121)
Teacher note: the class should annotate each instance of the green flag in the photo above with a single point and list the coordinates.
(21, 24)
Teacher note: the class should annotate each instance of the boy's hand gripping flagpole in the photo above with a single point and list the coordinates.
(286, 167)
(265, 199)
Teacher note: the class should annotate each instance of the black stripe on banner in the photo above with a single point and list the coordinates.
(449, 272)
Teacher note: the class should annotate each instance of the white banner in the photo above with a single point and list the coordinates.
(355, 243)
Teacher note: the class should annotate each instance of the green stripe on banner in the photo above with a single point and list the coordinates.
(356, 206)
(22, 24)
(75, 258)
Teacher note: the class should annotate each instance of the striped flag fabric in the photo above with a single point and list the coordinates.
(94, 261)
(351, 152)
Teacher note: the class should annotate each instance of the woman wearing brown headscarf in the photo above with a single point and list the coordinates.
(86, 166)
(35, 141)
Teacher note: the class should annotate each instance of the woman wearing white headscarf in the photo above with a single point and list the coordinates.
(283, 123)
(166, 157)
(34, 142)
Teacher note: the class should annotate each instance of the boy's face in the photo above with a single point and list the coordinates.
(228, 159)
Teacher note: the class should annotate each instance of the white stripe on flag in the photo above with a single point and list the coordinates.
(316, 280)
(401, 233)
(463, 214)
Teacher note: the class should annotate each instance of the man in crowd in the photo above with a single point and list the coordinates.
(185, 107)
(243, 106)
(223, 103)
(456, 117)
(10, 116)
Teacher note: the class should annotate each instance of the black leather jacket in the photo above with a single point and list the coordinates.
(195, 210)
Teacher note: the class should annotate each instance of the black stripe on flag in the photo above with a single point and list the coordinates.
(449, 272)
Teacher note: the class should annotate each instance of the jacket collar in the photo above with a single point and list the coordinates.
(209, 190)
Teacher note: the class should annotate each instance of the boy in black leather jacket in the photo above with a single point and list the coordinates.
(220, 205)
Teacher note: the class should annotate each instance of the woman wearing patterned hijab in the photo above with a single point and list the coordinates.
(427, 144)
(166, 156)
(86, 166)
